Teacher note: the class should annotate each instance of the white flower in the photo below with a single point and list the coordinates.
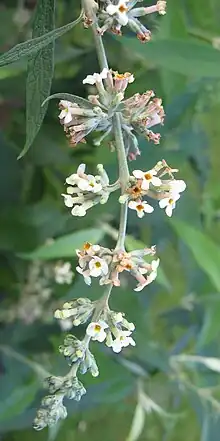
(68, 200)
(87, 278)
(177, 185)
(89, 184)
(169, 203)
(96, 330)
(98, 267)
(66, 111)
(120, 10)
(123, 340)
(141, 207)
(78, 210)
(147, 178)
(155, 264)
(63, 273)
(66, 324)
(161, 7)
(92, 79)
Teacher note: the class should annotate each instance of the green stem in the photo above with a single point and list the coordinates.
(120, 147)
(103, 62)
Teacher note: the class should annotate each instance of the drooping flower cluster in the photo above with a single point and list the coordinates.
(113, 15)
(106, 264)
(52, 408)
(138, 114)
(79, 118)
(152, 183)
(84, 191)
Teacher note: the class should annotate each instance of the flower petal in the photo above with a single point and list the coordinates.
(139, 174)
(163, 202)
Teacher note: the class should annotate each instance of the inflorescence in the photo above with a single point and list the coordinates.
(136, 116)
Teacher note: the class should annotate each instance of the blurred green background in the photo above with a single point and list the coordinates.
(178, 316)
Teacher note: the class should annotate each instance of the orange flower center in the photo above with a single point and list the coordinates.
(140, 207)
(122, 8)
(148, 176)
(87, 246)
(128, 266)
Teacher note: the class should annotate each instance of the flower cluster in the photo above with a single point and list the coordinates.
(63, 273)
(112, 16)
(84, 191)
(80, 118)
(78, 310)
(139, 113)
(112, 328)
(97, 261)
(152, 183)
(52, 405)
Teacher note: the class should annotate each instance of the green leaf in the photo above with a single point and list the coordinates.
(72, 98)
(34, 45)
(137, 424)
(39, 72)
(182, 56)
(65, 246)
(134, 244)
(205, 252)
(18, 401)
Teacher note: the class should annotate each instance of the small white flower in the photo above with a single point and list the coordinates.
(68, 200)
(177, 185)
(92, 79)
(96, 330)
(78, 210)
(89, 184)
(161, 7)
(87, 278)
(66, 111)
(66, 324)
(141, 207)
(148, 178)
(169, 203)
(63, 273)
(98, 267)
(120, 10)
(123, 340)
(155, 264)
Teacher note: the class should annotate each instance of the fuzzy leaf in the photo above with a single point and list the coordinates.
(137, 424)
(72, 98)
(65, 246)
(34, 45)
(39, 72)
(183, 56)
(204, 250)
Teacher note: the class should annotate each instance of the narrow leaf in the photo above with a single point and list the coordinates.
(65, 246)
(18, 401)
(205, 251)
(137, 424)
(72, 98)
(183, 56)
(210, 362)
(39, 72)
(34, 45)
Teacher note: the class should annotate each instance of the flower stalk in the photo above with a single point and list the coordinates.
(121, 119)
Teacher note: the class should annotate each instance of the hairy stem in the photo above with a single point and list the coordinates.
(120, 147)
